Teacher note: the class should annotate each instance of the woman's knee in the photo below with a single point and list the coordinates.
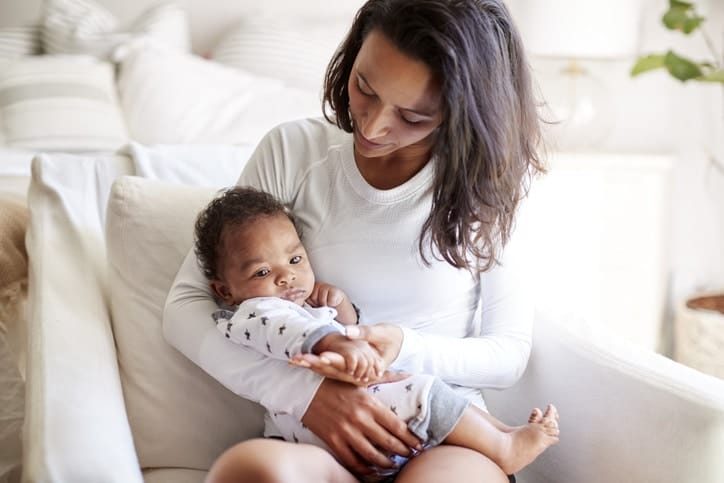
(451, 463)
(256, 460)
(274, 461)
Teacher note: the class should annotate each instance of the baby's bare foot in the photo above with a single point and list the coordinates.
(529, 441)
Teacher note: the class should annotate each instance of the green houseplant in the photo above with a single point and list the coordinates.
(683, 17)
(700, 322)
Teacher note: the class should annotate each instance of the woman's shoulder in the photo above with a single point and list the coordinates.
(309, 135)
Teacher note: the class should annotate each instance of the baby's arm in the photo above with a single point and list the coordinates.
(328, 295)
(275, 328)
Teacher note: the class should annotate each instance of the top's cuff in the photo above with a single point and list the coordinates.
(319, 334)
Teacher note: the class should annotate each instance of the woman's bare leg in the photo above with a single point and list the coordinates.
(451, 463)
(276, 461)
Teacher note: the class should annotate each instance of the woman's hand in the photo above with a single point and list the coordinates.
(385, 339)
(357, 427)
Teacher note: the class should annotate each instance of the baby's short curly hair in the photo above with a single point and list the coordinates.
(234, 207)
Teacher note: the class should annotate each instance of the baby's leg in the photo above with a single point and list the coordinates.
(511, 450)
(436, 414)
(429, 407)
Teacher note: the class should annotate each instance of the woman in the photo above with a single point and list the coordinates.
(406, 198)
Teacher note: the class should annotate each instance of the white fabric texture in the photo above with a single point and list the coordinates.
(75, 405)
(145, 248)
(18, 42)
(364, 240)
(85, 27)
(61, 103)
(170, 97)
(198, 164)
(290, 49)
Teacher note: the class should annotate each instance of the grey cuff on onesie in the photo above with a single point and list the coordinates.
(445, 408)
(317, 335)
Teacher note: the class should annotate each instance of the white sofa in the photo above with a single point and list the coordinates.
(109, 401)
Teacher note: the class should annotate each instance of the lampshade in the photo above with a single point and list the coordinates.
(582, 29)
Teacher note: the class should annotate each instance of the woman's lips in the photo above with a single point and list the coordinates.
(364, 142)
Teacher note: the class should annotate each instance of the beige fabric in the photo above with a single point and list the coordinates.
(13, 257)
(179, 416)
(173, 475)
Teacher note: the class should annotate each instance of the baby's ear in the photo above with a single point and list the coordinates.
(221, 291)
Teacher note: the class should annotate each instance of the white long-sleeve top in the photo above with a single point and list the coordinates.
(473, 331)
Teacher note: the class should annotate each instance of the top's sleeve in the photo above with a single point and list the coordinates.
(496, 355)
(274, 328)
(188, 326)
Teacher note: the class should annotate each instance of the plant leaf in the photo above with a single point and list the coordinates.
(713, 76)
(682, 17)
(679, 3)
(680, 67)
(647, 63)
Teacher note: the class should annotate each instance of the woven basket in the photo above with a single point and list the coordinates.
(699, 330)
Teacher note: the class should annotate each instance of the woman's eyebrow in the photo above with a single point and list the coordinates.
(414, 111)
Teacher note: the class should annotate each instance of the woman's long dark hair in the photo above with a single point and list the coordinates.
(486, 146)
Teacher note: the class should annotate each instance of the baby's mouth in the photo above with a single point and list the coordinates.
(293, 294)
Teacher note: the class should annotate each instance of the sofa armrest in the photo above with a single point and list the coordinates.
(627, 414)
(76, 428)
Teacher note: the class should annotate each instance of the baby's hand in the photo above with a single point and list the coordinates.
(325, 294)
(328, 295)
(356, 358)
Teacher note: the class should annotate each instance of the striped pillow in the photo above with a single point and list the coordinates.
(64, 103)
(84, 27)
(18, 42)
(294, 51)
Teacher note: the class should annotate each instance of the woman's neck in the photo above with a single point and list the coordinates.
(391, 171)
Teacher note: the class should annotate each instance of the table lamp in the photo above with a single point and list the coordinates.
(578, 34)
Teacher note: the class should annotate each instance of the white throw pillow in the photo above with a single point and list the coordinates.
(63, 103)
(172, 98)
(290, 49)
(19, 41)
(84, 27)
(179, 416)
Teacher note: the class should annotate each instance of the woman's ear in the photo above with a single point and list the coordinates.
(222, 291)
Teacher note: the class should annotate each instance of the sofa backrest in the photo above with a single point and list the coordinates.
(179, 416)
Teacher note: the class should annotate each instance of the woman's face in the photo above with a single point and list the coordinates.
(394, 100)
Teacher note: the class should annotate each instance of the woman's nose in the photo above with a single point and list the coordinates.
(376, 123)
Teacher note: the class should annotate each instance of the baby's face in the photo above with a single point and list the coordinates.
(265, 258)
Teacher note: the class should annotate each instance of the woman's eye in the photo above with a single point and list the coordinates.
(296, 259)
(410, 121)
(363, 91)
(262, 273)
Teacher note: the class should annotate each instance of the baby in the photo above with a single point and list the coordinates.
(250, 250)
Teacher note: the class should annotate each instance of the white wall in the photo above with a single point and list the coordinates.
(658, 114)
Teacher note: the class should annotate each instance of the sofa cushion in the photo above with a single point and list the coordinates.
(60, 103)
(85, 27)
(179, 416)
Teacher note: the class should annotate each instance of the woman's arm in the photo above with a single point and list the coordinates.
(497, 355)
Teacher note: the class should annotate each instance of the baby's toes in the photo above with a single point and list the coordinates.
(551, 412)
(535, 416)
